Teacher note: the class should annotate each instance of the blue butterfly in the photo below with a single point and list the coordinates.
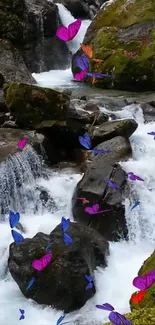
(67, 239)
(30, 284)
(13, 218)
(65, 223)
(18, 238)
(60, 319)
(135, 205)
(89, 279)
(85, 141)
(22, 314)
(152, 133)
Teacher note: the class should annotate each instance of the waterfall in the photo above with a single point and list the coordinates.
(17, 176)
(41, 41)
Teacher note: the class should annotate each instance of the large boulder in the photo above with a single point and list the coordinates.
(31, 105)
(101, 167)
(123, 35)
(12, 65)
(31, 27)
(62, 283)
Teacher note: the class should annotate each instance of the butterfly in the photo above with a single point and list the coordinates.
(84, 201)
(22, 311)
(60, 320)
(68, 33)
(80, 76)
(95, 209)
(134, 177)
(41, 263)
(48, 247)
(89, 279)
(113, 185)
(145, 281)
(89, 52)
(13, 219)
(21, 144)
(115, 317)
(152, 133)
(82, 62)
(98, 75)
(65, 223)
(86, 143)
(135, 205)
(30, 284)
(18, 238)
(139, 296)
(67, 239)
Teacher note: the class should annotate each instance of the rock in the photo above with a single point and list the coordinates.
(149, 112)
(2, 80)
(92, 187)
(31, 105)
(31, 27)
(10, 137)
(62, 283)
(111, 129)
(123, 35)
(12, 65)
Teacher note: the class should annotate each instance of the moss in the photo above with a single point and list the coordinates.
(30, 105)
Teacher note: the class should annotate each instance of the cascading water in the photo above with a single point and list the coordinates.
(64, 78)
(41, 40)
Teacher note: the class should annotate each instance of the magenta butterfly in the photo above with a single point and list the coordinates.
(95, 209)
(134, 177)
(80, 76)
(67, 34)
(42, 262)
(21, 144)
(115, 317)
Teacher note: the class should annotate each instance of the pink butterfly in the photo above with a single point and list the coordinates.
(84, 201)
(42, 262)
(80, 76)
(67, 34)
(21, 144)
(95, 209)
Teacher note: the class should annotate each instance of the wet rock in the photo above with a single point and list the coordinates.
(111, 129)
(62, 283)
(2, 80)
(12, 65)
(123, 35)
(92, 187)
(31, 105)
(10, 137)
(148, 111)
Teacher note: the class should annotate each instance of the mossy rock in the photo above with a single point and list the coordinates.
(121, 26)
(30, 105)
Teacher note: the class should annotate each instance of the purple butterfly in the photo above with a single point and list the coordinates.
(134, 177)
(89, 279)
(113, 185)
(99, 75)
(65, 223)
(145, 281)
(86, 143)
(30, 284)
(115, 317)
(82, 62)
(22, 311)
(152, 133)
(95, 209)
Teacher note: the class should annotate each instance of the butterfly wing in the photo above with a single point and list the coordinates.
(137, 297)
(65, 223)
(139, 282)
(105, 306)
(88, 278)
(124, 319)
(22, 311)
(98, 60)
(60, 319)
(85, 141)
(30, 284)
(13, 218)
(113, 317)
(87, 50)
(73, 29)
(48, 247)
(67, 239)
(95, 208)
(21, 317)
(89, 286)
(80, 76)
(151, 133)
(62, 33)
(150, 279)
(18, 238)
(89, 210)
(41, 263)
(139, 179)
(98, 75)
(82, 62)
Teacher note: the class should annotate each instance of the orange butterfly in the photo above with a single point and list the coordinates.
(89, 52)
(137, 297)
(94, 81)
